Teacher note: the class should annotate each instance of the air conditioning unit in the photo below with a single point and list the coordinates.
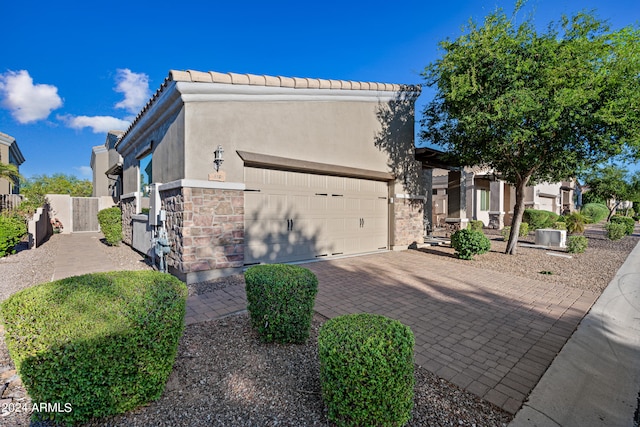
(155, 204)
(551, 237)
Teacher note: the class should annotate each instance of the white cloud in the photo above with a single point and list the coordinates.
(135, 87)
(84, 171)
(27, 102)
(98, 124)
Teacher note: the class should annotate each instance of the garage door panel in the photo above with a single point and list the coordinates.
(298, 216)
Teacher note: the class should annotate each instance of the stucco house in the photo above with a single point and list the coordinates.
(106, 164)
(10, 154)
(479, 194)
(260, 169)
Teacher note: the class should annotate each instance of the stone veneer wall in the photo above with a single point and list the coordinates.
(128, 207)
(206, 229)
(408, 222)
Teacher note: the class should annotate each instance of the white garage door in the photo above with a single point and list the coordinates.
(293, 216)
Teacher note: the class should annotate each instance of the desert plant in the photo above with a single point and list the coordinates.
(595, 212)
(577, 244)
(628, 222)
(280, 301)
(366, 370)
(576, 222)
(615, 230)
(468, 243)
(110, 220)
(104, 343)
(506, 231)
(475, 225)
(12, 228)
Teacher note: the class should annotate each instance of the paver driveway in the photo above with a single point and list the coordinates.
(490, 333)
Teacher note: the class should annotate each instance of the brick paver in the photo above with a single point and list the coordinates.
(487, 332)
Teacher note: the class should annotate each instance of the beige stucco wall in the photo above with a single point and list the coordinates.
(335, 133)
(4, 158)
(99, 164)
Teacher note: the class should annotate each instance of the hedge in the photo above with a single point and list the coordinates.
(110, 220)
(628, 222)
(468, 243)
(596, 212)
(104, 343)
(539, 218)
(366, 370)
(12, 228)
(615, 230)
(280, 301)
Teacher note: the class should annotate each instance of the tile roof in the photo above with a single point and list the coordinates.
(264, 80)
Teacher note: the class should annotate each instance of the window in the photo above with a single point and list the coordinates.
(484, 200)
(146, 174)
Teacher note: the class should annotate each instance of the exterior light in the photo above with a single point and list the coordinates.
(218, 157)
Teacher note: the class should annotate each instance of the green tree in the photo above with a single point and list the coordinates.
(9, 172)
(612, 184)
(35, 188)
(535, 107)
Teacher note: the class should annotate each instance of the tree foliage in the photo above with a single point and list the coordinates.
(612, 184)
(535, 106)
(9, 172)
(35, 188)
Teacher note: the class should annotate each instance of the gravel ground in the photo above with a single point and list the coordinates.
(225, 376)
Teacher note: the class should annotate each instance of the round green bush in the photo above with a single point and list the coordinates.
(615, 230)
(596, 212)
(628, 222)
(468, 243)
(577, 244)
(104, 343)
(110, 220)
(366, 370)
(280, 301)
(476, 225)
(12, 228)
(538, 218)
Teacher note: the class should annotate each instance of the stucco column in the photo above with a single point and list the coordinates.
(427, 175)
(496, 212)
(457, 199)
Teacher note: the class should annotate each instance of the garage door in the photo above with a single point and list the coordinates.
(293, 216)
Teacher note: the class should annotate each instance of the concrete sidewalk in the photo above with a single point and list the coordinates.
(595, 379)
(80, 254)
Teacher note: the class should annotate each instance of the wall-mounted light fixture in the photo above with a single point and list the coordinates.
(218, 157)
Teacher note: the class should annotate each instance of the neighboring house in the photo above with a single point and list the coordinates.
(10, 154)
(485, 197)
(106, 164)
(307, 169)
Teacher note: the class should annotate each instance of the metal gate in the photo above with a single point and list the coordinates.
(85, 214)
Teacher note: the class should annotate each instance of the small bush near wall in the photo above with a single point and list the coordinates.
(476, 225)
(280, 301)
(595, 212)
(615, 230)
(506, 231)
(366, 370)
(628, 223)
(577, 244)
(110, 220)
(468, 243)
(12, 228)
(104, 343)
(539, 219)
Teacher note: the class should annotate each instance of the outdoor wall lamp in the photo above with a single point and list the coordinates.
(218, 159)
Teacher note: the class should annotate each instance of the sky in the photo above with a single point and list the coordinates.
(72, 70)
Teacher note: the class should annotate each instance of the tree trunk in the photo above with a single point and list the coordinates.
(612, 210)
(518, 211)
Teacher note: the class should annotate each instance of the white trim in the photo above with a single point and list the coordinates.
(204, 92)
(197, 183)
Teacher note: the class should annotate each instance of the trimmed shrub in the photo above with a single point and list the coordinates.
(615, 230)
(280, 301)
(538, 218)
(596, 212)
(110, 220)
(628, 222)
(577, 244)
(559, 225)
(12, 228)
(105, 343)
(475, 225)
(468, 243)
(506, 231)
(576, 222)
(366, 370)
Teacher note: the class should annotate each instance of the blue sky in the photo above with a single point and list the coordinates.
(71, 70)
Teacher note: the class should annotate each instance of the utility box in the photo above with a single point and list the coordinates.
(155, 205)
(551, 237)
